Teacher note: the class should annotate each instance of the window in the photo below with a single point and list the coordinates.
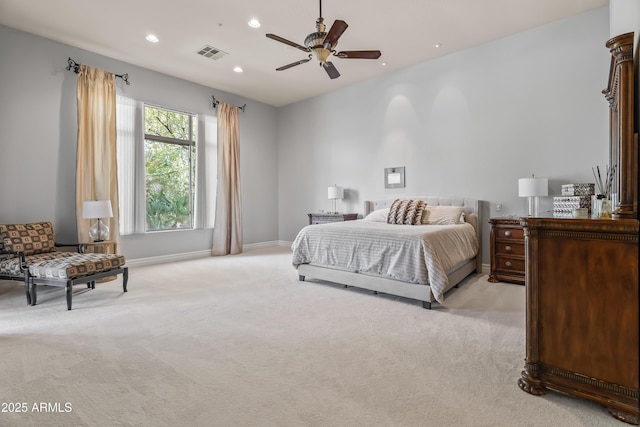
(166, 168)
(170, 168)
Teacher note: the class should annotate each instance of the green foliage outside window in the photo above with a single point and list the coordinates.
(170, 168)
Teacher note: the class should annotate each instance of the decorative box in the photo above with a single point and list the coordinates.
(569, 203)
(578, 189)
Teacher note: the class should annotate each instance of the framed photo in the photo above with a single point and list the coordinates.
(394, 177)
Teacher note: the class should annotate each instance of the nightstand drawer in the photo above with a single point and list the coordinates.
(513, 265)
(510, 233)
(509, 248)
(323, 218)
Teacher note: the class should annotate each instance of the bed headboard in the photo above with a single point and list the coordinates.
(471, 210)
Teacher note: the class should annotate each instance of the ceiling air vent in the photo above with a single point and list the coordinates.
(211, 52)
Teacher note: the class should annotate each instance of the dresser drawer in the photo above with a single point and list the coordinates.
(510, 248)
(510, 233)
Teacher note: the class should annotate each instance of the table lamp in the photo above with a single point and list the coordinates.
(92, 209)
(334, 193)
(533, 188)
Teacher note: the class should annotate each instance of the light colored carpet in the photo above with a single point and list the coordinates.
(239, 341)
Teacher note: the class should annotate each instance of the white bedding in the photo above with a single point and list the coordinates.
(410, 253)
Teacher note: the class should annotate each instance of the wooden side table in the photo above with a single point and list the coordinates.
(507, 251)
(323, 218)
(104, 247)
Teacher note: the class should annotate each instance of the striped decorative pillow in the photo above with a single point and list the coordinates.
(406, 212)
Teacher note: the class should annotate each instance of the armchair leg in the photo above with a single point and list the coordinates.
(125, 279)
(26, 289)
(69, 291)
(32, 292)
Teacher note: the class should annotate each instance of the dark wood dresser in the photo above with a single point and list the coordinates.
(323, 218)
(582, 311)
(507, 251)
(582, 276)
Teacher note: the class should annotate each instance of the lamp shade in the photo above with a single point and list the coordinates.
(335, 192)
(533, 187)
(97, 209)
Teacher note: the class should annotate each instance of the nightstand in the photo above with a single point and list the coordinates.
(104, 247)
(323, 218)
(507, 251)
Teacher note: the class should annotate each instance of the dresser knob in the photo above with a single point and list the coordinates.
(507, 233)
(508, 263)
(508, 249)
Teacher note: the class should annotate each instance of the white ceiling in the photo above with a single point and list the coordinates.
(404, 30)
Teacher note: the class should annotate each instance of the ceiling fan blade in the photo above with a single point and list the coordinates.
(334, 33)
(289, 42)
(331, 70)
(359, 54)
(293, 64)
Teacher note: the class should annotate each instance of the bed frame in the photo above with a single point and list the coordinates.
(395, 287)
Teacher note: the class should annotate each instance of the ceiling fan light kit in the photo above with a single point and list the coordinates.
(320, 45)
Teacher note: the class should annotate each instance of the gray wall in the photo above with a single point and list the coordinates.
(38, 142)
(468, 124)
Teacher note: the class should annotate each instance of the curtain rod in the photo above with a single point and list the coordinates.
(76, 69)
(215, 103)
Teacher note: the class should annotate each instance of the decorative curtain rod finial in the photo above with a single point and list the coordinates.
(73, 64)
(124, 77)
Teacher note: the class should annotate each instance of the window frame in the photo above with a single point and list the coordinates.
(192, 143)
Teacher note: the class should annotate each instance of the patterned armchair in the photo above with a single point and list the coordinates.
(29, 253)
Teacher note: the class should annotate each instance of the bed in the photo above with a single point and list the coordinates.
(420, 262)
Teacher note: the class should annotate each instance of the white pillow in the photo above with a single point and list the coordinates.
(443, 215)
(379, 215)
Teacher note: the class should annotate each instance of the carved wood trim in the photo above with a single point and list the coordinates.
(623, 152)
(593, 382)
(590, 236)
(622, 230)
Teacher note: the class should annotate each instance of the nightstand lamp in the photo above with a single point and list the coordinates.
(533, 188)
(97, 209)
(334, 193)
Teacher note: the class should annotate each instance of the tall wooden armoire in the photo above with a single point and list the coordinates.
(582, 277)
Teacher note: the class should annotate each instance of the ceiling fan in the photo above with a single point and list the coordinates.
(322, 44)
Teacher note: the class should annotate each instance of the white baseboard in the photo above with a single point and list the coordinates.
(486, 268)
(139, 262)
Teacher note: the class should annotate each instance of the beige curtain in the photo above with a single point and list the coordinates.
(96, 168)
(227, 230)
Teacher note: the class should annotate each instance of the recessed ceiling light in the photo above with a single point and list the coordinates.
(238, 69)
(152, 38)
(254, 23)
(384, 64)
(437, 45)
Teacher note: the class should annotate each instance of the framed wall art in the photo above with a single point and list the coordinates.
(394, 177)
